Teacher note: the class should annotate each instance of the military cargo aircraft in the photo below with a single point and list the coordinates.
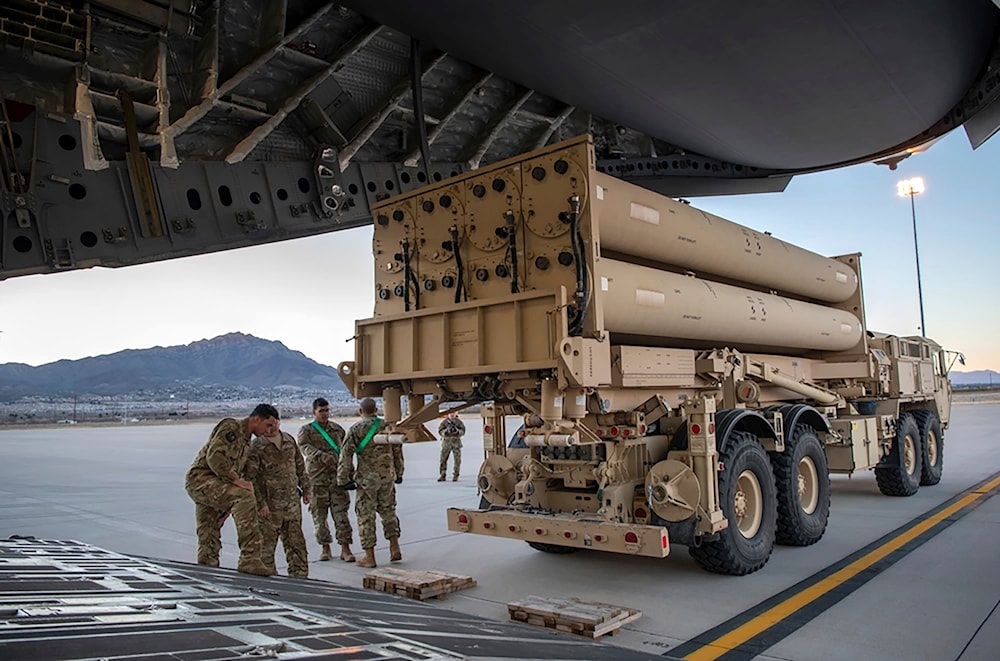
(140, 130)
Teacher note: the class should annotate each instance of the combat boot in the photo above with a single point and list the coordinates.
(368, 560)
(455, 478)
(345, 553)
(395, 555)
(441, 479)
(253, 566)
(326, 553)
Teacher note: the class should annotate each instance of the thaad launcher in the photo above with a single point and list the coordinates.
(676, 378)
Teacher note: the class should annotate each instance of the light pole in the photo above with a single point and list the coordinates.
(911, 188)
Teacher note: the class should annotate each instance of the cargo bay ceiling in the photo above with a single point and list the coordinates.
(136, 130)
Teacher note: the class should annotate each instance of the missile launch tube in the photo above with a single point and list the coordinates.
(635, 221)
(643, 301)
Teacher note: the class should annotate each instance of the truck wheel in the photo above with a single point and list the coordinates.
(803, 484)
(932, 443)
(552, 548)
(902, 476)
(748, 500)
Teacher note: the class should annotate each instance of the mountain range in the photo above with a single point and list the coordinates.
(231, 361)
(234, 360)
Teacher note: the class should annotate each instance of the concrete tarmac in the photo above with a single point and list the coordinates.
(121, 488)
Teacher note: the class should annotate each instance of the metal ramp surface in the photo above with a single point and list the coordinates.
(67, 600)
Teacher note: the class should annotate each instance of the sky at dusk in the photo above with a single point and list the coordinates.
(307, 293)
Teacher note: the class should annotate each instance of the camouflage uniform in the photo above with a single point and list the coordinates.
(451, 432)
(322, 461)
(378, 468)
(209, 483)
(279, 477)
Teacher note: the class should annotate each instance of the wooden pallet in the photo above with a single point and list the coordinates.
(422, 585)
(583, 618)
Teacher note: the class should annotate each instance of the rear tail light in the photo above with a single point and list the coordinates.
(488, 525)
(641, 513)
(513, 528)
(663, 541)
(614, 431)
(463, 519)
(487, 429)
(696, 428)
(631, 538)
(539, 531)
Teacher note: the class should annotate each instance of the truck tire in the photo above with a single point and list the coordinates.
(748, 499)
(802, 479)
(552, 548)
(901, 475)
(932, 444)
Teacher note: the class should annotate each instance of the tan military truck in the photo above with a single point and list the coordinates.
(677, 378)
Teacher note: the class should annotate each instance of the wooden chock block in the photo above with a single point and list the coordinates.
(416, 584)
(583, 618)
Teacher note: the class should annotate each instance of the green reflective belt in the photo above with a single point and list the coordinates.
(326, 436)
(369, 436)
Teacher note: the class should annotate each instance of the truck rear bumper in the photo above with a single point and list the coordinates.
(563, 530)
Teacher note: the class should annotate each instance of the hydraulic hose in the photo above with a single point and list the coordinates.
(512, 250)
(418, 106)
(460, 269)
(405, 245)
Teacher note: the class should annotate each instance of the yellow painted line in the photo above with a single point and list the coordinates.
(769, 618)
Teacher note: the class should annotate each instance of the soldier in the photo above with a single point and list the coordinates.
(279, 477)
(380, 468)
(214, 484)
(451, 430)
(320, 442)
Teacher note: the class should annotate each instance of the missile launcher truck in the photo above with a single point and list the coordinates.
(675, 377)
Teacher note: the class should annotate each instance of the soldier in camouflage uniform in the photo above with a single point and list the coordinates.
(451, 430)
(380, 468)
(215, 485)
(322, 458)
(279, 477)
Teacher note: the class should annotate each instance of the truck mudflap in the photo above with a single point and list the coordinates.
(563, 530)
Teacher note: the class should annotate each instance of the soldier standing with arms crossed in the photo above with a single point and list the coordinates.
(451, 430)
(214, 484)
(320, 442)
(380, 468)
(279, 477)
